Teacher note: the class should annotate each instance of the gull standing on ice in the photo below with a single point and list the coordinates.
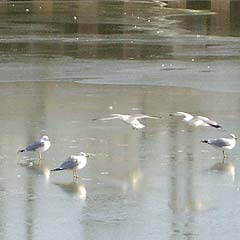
(42, 145)
(197, 120)
(222, 144)
(74, 163)
(130, 119)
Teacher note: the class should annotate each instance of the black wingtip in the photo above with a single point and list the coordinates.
(204, 141)
(56, 169)
(22, 150)
(216, 126)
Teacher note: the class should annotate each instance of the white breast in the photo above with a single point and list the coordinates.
(82, 162)
(45, 147)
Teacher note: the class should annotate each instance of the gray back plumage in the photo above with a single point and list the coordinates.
(208, 121)
(221, 142)
(34, 146)
(69, 163)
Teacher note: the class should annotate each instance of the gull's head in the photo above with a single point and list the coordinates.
(44, 138)
(177, 114)
(137, 125)
(233, 136)
(83, 154)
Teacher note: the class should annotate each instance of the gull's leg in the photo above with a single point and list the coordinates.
(74, 173)
(40, 157)
(224, 156)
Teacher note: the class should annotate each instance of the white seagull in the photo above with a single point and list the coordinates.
(197, 120)
(222, 144)
(161, 4)
(42, 145)
(130, 119)
(74, 163)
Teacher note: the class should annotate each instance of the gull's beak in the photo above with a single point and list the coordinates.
(90, 154)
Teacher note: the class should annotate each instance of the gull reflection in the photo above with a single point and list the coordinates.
(191, 205)
(77, 190)
(133, 181)
(135, 178)
(38, 168)
(227, 168)
(130, 181)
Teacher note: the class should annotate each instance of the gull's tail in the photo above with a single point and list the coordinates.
(56, 169)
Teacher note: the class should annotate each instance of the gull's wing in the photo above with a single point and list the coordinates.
(221, 142)
(34, 146)
(69, 163)
(106, 118)
(140, 116)
(209, 122)
(187, 116)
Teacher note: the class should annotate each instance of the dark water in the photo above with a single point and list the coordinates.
(64, 63)
(130, 42)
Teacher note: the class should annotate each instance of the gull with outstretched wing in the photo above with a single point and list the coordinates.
(197, 120)
(133, 120)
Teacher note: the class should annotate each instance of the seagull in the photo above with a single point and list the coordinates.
(73, 163)
(161, 4)
(197, 120)
(42, 145)
(130, 119)
(222, 144)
